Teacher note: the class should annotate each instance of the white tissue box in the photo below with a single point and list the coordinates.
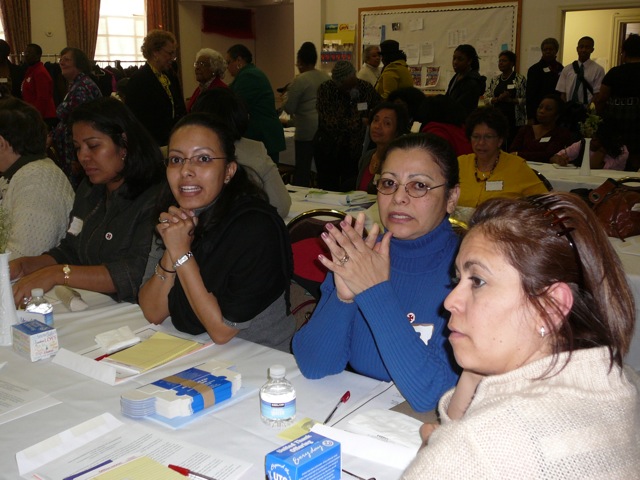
(35, 340)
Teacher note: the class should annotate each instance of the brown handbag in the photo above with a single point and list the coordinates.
(617, 205)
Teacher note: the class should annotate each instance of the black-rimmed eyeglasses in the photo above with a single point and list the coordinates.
(415, 189)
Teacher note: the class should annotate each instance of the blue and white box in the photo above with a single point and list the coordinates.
(308, 457)
(35, 340)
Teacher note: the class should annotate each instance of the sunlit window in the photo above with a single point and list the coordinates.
(121, 31)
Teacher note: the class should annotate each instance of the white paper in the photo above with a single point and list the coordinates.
(456, 37)
(368, 448)
(106, 438)
(416, 24)
(18, 400)
(394, 427)
(427, 50)
(384, 396)
(371, 35)
(412, 50)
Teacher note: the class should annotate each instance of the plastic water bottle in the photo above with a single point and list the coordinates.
(277, 399)
(41, 306)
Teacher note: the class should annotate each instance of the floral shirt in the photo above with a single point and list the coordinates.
(82, 90)
(340, 114)
(519, 83)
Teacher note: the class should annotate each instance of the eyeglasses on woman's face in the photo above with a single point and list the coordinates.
(476, 138)
(202, 64)
(200, 160)
(415, 189)
(170, 53)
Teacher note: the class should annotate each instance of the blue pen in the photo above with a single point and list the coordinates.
(79, 474)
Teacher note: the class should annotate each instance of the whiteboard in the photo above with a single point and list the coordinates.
(429, 34)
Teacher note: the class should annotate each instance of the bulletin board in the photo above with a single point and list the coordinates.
(429, 34)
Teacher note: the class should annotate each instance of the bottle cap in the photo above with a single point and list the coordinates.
(37, 292)
(277, 371)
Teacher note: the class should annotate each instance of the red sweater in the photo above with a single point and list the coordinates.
(37, 89)
(454, 134)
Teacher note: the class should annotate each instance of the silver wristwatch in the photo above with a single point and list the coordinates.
(182, 260)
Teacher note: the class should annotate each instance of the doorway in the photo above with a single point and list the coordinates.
(608, 27)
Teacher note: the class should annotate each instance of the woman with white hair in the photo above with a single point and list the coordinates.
(209, 69)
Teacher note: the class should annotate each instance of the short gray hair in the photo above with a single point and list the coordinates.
(217, 61)
(369, 49)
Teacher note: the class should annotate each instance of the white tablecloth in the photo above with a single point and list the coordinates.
(236, 431)
(566, 179)
(629, 252)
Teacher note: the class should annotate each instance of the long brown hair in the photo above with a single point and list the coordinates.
(556, 237)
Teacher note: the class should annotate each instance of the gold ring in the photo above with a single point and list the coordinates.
(344, 259)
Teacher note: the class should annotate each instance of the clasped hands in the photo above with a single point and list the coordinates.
(176, 227)
(357, 263)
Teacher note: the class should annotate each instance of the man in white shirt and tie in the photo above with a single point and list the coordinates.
(580, 80)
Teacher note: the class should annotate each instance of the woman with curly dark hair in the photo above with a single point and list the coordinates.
(489, 171)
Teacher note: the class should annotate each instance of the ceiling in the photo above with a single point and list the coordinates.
(240, 3)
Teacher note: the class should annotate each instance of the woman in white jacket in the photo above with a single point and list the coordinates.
(541, 319)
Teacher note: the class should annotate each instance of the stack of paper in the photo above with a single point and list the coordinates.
(159, 349)
(184, 393)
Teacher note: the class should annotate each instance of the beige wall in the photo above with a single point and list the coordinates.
(540, 18)
(273, 56)
(599, 25)
(277, 40)
(47, 25)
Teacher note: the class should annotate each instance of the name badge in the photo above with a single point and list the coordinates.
(493, 186)
(546, 69)
(76, 226)
(425, 330)
(511, 86)
(362, 106)
(545, 139)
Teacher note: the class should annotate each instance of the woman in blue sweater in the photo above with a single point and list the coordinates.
(381, 310)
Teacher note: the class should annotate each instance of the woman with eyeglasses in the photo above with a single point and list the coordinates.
(109, 235)
(488, 171)
(154, 93)
(541, 319)
(209, 69)
(381, 310)
(223, 260)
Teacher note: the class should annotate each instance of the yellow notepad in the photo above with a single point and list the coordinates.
(143, 468)
(158, 349)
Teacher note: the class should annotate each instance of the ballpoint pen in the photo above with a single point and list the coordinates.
(343, 399)
(186, 472)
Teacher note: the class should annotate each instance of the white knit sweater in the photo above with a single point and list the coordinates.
(582, 423)
(38, 200)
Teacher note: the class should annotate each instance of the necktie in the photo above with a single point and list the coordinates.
(579, 79)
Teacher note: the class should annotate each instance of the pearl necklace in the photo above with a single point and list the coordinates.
(508, 77)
